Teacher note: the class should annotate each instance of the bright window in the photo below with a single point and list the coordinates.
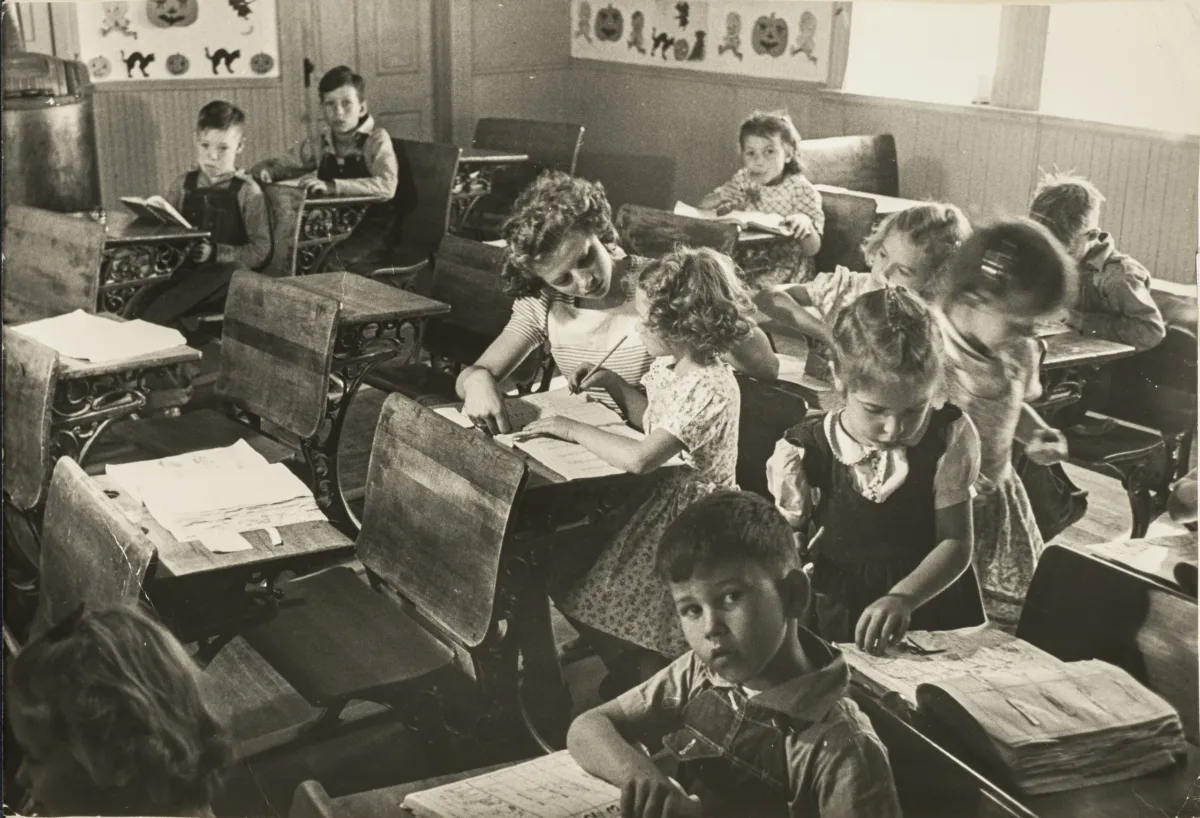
(934, 52)
(1131, 63)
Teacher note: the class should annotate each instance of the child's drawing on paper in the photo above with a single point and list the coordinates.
(733, 35)
(583, 26)
(116, 18)
(637, 32)
(806, 43)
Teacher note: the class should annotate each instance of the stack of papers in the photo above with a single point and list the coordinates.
(215, 494)
(90, 337)
(767, 222)
(1051, 725)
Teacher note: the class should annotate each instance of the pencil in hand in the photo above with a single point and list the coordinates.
(583, 382)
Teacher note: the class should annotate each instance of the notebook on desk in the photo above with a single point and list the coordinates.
(156, 209)
(552, 786)
(88, 337)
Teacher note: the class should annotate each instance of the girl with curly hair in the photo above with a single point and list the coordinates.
(567, 273)
(886, 478)
(108, 708)
(691, 309)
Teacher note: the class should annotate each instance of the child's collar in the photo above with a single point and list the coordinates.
(366, 125)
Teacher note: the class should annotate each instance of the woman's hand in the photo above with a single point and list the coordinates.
(556, 426)
(587, 377)
(484, 405)
(1049, 446)
(883, 623)
(657, 797)
(318, 187)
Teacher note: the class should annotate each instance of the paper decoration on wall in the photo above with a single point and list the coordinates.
(171, 13)
(235, 38)
(116, 18)
(768, 38)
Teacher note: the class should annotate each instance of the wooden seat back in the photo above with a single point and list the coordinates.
(285, 204)
(1157, 388)
(849, 219)
(422, 199)
(866, 163)
(647, 231)
(438, 506)
(30, 376)
(550, 145)
(51, 263)
(92, 554)
(1079, 607)
(311, 801)
(277, 351)
(768, 410)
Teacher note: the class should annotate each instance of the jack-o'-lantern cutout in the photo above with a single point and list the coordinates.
(177, 65)
(262, 63)
(172, 13)
(100, 67)
(610, 25)
(770, 36)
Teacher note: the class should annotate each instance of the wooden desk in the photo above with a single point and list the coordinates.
(816, 391)
(89, 397)
(385, 802)
(476, 176)
(484, 156)
(325, 222)
(1071, 350)
(138, 253)
(1158, 557)
(884, 205)
(376, 323)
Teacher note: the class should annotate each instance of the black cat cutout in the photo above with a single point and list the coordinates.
(661, 40)
(697, 54)
(223, 56)
(137, 60)
(242, 7)
(682, 12)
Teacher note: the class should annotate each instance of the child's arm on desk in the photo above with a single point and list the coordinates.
(628, 398)
(786, 304)
(754, 356)
(301, 158)
(633, 456)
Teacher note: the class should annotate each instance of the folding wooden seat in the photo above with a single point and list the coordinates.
(768, 411)
(866, 163)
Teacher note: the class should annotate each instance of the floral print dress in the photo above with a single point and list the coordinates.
(622, 594)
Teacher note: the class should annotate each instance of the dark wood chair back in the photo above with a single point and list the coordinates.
(51, 263)
(285, 204)
(438, 506)
(1157, 388)
(91, 552)
(849, 219)
(277, 351)
(646, 231)
(866, 163)
(1079, 607)
(550, 145)
(311, 801)
(422, 200)
(768, 410)
(30, 375)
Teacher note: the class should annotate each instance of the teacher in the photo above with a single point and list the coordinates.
(569, 278)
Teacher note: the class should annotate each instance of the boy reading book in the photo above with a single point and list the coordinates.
(756, 714)
(217, 197)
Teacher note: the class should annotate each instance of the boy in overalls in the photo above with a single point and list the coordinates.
(756, 715)
(218, 197)
(354, 157)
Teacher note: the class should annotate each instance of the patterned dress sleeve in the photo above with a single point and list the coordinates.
(807, 200)
(958, 466)
(529, 316)
(786, 481)
(1027, 360)
(692, 414)
(732, 194)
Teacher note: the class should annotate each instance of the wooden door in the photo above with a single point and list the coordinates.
(388, 42)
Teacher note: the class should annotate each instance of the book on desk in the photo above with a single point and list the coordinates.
(1046, 724)
(746, 219)
(156, 209)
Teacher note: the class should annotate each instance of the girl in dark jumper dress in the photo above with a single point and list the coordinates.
(886, 478)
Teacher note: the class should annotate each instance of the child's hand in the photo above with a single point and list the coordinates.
(657, 797)
(883, 623)
(1073, 319)
(1049, 446)
(202, 252)
(318, 187)
(264, 176)
(585, 377)
(800, 224)
(556, 426)
(723, 209)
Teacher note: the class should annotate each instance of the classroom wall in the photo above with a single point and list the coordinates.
(656, 136)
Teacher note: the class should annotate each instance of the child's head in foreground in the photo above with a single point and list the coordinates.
(691, 302)
(887, 366)
(732, 568)
(1069, 207)
(1003, 280)
(768, 142)
(343, 99)
(910, 247)
(559, 236)
(220, 138)
(108, 709)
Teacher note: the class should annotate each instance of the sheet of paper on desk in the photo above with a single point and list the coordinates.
(1139, 554)
(770, 222)
(134, 477)
(90, 337)
(560, 402)
(552, 786)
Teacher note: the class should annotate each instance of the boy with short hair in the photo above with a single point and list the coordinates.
(353, 157)
(757, 713)
(218, 197)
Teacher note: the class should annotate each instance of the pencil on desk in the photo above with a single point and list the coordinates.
(603, 361)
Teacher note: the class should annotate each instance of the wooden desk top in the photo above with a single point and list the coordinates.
(190, 559)
(884, 205)
(1155, 556)
(385, 802)
(486, 156)
(791, 369)
(1072, 349)
(322, 200)
(748, 235)
(364, 299)
(1150, 796)
(125, 228)
(73, 368)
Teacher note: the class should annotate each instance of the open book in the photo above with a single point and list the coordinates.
(552, 786)
(90, 337)
(751, 220)
(156, 209)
